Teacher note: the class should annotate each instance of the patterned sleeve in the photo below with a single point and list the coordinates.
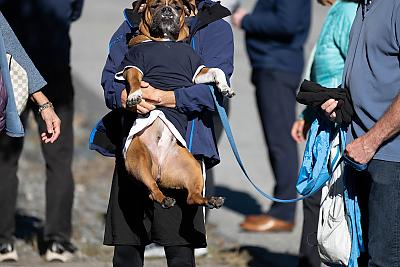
(14, 48)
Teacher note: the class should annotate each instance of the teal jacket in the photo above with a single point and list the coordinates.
(331, 48)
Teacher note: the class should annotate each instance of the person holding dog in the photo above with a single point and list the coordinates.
(275, 34)
(133, 221)
(43, 30)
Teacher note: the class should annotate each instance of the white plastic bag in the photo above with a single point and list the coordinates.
(333, 234)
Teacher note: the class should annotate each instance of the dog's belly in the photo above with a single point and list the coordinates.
(163, 148)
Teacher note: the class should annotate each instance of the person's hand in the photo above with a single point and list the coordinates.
(53, 125)
(238, 16)
(299, 130)
(362, 149)
(328, 107)
(150, 98)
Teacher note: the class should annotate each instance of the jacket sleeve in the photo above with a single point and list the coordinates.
(343, 27)
(216, 49)
(282, 20)
(14, 48)
(117, 50)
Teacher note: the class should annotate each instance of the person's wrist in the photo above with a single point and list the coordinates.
(45, 106)
(373, 140)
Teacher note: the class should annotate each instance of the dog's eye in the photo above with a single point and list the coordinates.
(153, 6)
(178, 8)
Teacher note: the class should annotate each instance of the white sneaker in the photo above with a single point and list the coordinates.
(154, 251)
(198, 252)
(8, 253)
(60, 251)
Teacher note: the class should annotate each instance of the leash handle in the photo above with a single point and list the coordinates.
(228, 131)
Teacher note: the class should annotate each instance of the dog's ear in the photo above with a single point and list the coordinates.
(188, 8)
(139, 6)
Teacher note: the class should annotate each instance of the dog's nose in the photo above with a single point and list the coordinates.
(166, 10)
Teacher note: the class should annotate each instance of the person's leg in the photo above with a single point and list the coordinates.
(128, 256)
(384, 214)
(58, 158)
(180, 256)
(10, 152)
(308, 255)
(276, 101)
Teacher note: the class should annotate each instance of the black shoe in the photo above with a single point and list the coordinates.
(60, 251)
(7, 252)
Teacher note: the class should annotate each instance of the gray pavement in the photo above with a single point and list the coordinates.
(90, 36)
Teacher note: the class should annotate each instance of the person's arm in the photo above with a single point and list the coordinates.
(50, 118)
(282, 20)
(117, 49)
(216, 50)
(343, 22)
(364, 148)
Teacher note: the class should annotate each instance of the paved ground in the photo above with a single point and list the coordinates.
(228, 245)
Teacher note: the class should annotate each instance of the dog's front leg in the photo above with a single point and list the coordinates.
(217, 76)
(133, 79)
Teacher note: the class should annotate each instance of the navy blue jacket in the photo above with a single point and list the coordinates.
(213, 41)
(275, 34)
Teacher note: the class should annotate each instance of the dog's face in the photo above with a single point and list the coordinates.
(166, 15)
(165, 19)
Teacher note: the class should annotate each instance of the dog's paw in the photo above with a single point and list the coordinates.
(168, 202)
(134, 99)
(226, 90)
(215, 202)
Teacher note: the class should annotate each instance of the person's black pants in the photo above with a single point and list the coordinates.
(133, 256)
(309, 256)
(276, 101)
(58, 158)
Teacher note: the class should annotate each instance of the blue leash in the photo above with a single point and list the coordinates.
(228, 131)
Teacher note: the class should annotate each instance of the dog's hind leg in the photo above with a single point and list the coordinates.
(217, 76)
(139, 164)
(181, 169)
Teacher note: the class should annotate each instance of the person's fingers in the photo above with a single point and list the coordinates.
(327, 103)
(57, 130)
(144, 84)
(331, 107)
(332, 116)
(151, 94)
(297, 131)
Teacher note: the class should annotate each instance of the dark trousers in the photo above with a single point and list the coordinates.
(380, 212)
(58, 158)
(308, 255)
(133, 256)
(276, 101)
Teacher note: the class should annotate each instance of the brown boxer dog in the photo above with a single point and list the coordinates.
(154, 156)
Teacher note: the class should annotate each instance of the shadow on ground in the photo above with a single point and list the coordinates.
(237, 201)
(262, 257)
(30, 229)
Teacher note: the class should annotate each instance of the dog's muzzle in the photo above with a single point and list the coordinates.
(167, 12)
